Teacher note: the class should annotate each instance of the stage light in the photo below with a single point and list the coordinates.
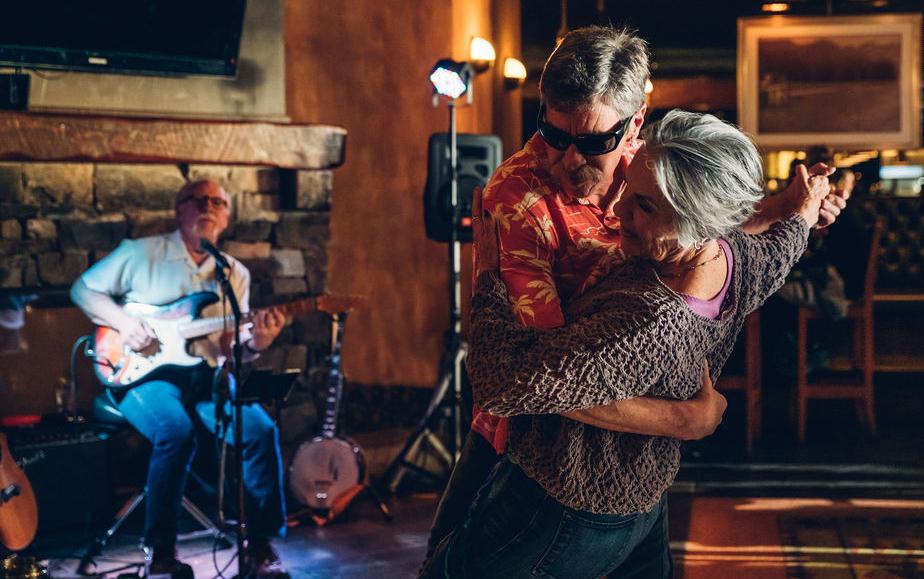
(514, 73)
(481, 54)
(649, 86)
(451, 78)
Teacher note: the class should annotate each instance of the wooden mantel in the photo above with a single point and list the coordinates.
(102, 139)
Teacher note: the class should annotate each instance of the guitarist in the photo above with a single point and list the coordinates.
(158, 270)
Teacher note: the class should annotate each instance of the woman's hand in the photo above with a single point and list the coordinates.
(811, 191)
(484, 236)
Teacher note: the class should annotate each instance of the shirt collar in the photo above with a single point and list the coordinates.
(176, 249)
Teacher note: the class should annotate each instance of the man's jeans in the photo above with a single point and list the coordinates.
(476, 461)
(157, 411)
(516, 529)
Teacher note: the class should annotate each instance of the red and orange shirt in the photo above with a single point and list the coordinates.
(553, 246)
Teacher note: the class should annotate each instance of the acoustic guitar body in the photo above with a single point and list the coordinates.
(18, 510)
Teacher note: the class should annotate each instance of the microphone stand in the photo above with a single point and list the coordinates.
(237, 405)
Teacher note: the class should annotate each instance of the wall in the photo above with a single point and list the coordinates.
(365, 68)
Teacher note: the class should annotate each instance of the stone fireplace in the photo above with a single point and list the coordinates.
(58, 218)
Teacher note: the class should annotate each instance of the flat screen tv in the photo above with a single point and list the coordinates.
(158, 37)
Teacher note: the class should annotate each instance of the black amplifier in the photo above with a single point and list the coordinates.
(67, 466)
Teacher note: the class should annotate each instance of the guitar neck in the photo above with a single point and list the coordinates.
(335, 381)
(206, 326)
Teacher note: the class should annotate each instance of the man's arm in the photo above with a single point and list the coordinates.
(682, 419)
(104, 311)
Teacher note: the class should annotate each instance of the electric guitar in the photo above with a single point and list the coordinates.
(18, 510)
(329, 469)
(175, 325)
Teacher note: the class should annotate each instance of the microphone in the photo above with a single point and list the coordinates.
(206, 246)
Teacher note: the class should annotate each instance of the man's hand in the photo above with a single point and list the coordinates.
(710, 405)
(267, 324)
(136, 333)
(484, 235)
(831, 206)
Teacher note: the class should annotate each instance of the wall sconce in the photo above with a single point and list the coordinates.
(514, 73)
(775, 7)
(481, 54)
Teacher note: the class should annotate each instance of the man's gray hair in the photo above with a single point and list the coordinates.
(596, 63)
(709, 171)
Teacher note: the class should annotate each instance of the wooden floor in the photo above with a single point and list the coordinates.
(712, 538)
(360, 545)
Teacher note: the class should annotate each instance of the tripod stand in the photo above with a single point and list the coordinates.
(446, 403)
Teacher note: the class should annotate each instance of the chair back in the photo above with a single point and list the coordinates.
(872, 265)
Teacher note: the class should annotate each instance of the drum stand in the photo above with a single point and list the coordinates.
(446, 403)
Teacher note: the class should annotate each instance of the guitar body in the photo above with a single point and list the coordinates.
(18, 510)
(119, 367)
(325, 469)
(175, 324)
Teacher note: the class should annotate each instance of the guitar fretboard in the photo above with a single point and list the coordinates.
(205, 326)
(335, 383)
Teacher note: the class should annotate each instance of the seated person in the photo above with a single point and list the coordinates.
(158, 270)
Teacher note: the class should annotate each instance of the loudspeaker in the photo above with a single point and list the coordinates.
(477, 157)
(67, 466)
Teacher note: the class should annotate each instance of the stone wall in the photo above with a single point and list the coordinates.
(57, 219)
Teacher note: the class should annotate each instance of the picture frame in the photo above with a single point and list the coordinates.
(850, 82)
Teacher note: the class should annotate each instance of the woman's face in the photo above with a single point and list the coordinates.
(647, 219)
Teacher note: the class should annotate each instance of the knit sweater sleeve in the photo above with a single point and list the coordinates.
(768, 257)
(615, 354)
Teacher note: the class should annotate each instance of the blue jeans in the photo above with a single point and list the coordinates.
(157, 411)
(515, 529)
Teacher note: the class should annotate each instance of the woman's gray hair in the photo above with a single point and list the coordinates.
(596, 63)
(709, 171)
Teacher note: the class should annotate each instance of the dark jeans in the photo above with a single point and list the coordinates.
(157, 411)
(515, 529)
(471, 472)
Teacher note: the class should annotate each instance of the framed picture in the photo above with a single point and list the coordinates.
(851, 82)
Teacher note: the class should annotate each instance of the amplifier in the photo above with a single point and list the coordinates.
(67, 466)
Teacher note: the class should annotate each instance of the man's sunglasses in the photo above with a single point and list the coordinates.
(204, 201)
(590, 144)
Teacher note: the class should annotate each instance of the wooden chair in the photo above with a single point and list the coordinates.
(749, 381)
(857, 383)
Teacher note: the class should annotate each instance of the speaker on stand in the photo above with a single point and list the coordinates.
(477, 158)
(448, 219)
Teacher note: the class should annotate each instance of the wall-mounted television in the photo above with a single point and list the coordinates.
(155, 37)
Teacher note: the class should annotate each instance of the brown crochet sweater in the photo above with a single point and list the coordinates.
(630, 335)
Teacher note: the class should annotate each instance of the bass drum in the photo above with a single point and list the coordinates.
(323, 469)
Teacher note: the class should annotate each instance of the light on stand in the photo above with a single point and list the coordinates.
(450, 79)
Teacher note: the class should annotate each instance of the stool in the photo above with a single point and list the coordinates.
(106, 411)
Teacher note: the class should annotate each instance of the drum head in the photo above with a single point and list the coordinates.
(323, 469)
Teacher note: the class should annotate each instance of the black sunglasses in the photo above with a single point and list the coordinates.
(590, 144)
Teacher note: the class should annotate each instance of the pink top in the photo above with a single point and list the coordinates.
(712, 308)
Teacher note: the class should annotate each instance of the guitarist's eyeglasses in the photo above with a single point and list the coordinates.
(206, 200)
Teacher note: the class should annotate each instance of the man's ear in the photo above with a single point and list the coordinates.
(639, 119)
